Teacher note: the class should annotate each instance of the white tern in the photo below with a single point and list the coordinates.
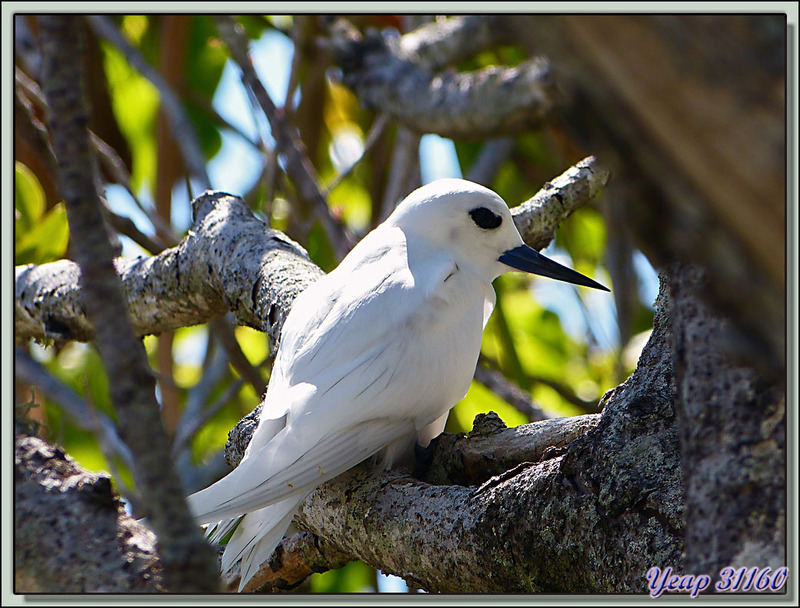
(371, 359)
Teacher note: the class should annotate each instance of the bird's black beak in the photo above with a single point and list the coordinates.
(528, 259)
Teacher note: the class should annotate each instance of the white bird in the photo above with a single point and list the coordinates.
(372, 357)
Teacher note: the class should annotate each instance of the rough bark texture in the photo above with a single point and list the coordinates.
(71, 531)
(612, 502)
(447, 42)
(487, 103)
(187, 559)
(733, 441)
(610, 499)
(694, 132)
(538, 217)
(232, 261)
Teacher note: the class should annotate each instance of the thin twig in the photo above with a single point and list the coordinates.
(512, 394)
(85, 417)
(223, 332)
(492, 155)
(372, 137)
(297, 164)
(182, 129)
(403, 170)
(111, 161)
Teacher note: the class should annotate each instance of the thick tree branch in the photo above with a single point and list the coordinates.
(72, 534)
(486, 103)
(611, 501)
(187, 561)
(733, 440)
(231, 261)
(447, 42)
(603, 485)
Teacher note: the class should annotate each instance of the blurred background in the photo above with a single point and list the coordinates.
(550, 349)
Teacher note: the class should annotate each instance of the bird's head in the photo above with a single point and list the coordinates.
(475, 224)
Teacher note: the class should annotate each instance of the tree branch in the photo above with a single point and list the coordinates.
(483, 104)
(231, 261)
(538, 217)
(561, 503)
(72, 534)
(186, 557)
(298, 166)
(447, 42)
(565, 507)
(89, 419)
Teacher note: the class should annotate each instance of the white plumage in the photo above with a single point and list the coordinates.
(372, 357)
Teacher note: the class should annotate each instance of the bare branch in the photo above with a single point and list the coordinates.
(486, 103)
(182, 129)
(446, 42)
(298, 166)
(230, 261)
(538, 217)
(186, 557)
(85, 417)
(496, 382)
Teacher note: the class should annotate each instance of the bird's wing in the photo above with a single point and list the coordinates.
(261, 481)
(347, 334)
(344, 372)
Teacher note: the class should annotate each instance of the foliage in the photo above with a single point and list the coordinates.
(528, 337)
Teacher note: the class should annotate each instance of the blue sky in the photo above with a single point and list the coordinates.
(237, 165)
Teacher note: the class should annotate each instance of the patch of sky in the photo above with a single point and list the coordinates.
(437, 158)
(388, 583)
(237, 165)
(581, 312)
(647, 279)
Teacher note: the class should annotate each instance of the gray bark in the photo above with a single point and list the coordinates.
(693, 126)
(72, 534)
(705, 409)
(478, 105)
(232, 261)
(187, 560)
(733, 441)
(603, 491)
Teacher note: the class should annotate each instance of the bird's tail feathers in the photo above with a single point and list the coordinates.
(257, 536)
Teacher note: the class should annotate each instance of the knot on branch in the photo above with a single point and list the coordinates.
(487, 424)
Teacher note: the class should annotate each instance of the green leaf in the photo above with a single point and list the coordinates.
(355, 577)
(135, 103)
(352, 199)
(29, 200)
(46, 240)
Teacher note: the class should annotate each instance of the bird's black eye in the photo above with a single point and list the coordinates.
(486, 218)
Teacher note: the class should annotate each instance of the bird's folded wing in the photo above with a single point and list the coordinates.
(245, 489)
